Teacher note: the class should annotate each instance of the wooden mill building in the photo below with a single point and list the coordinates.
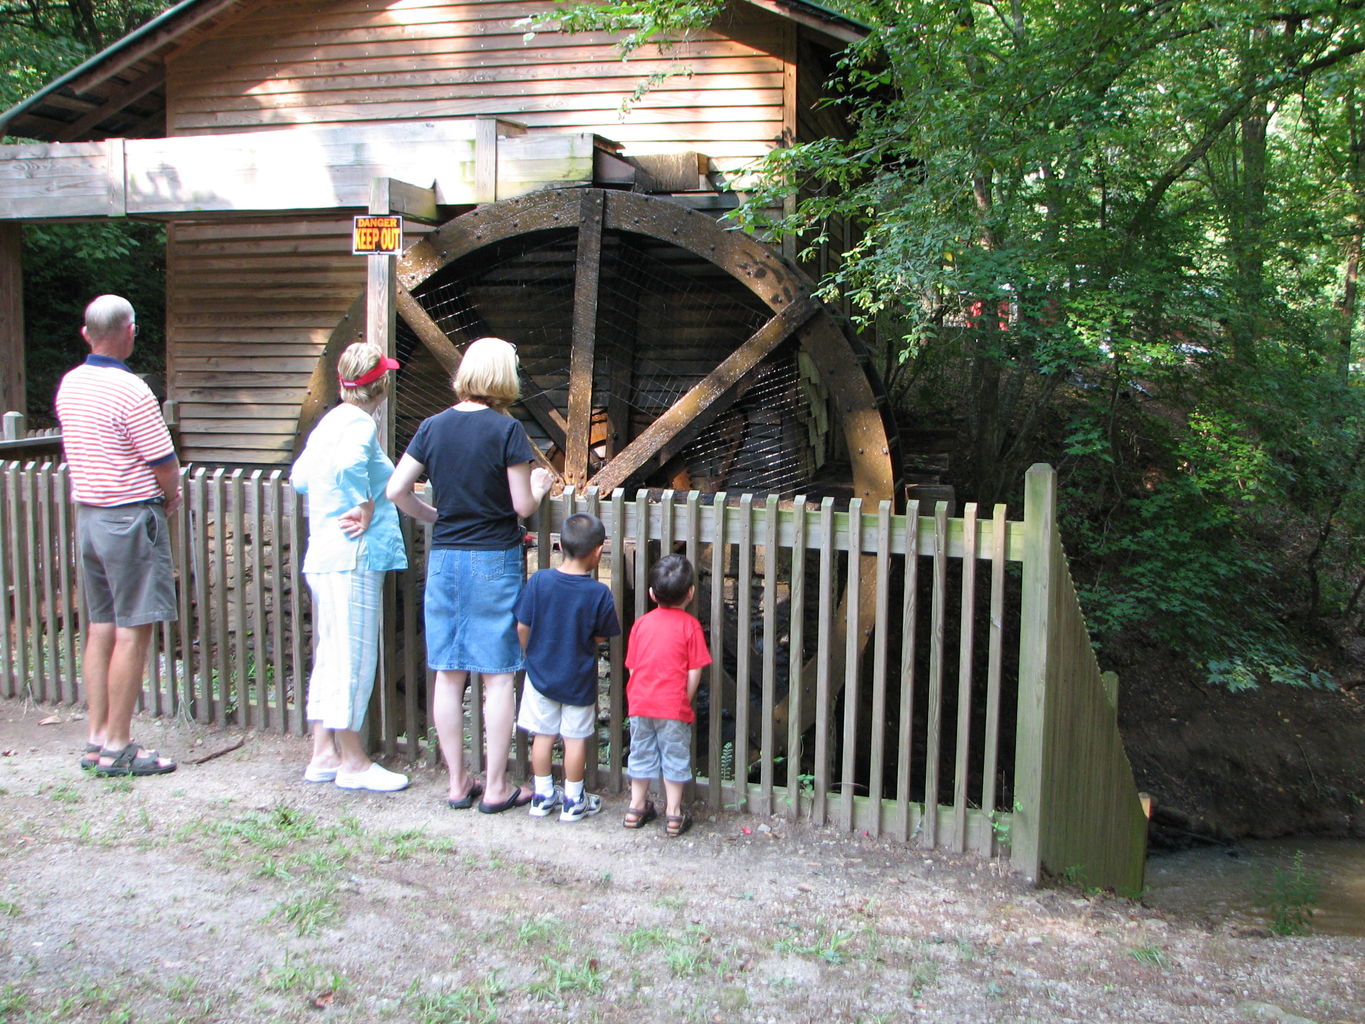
(256, 130)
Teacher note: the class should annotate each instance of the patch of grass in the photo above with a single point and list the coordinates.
(9, 908)
(308, 915)
(1151, 956)
(1290, 895)
(12, 1000)
(545, 928)
(182, 988)
(66, 793)
(294, 975)
(641, 939)
(826, 943)
(563, 976)
(469, 1004)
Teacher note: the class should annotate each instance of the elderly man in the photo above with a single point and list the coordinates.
(125, 477)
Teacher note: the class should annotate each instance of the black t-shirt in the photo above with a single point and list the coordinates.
(466, 455)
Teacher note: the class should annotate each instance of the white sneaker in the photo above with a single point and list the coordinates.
(375, 778)
(588, 803)
(543, 806)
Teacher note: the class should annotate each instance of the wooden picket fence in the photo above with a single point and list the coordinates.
(916, 675)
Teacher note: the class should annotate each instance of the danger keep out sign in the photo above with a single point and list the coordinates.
(377, 236)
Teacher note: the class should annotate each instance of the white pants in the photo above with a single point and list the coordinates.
(346, 613)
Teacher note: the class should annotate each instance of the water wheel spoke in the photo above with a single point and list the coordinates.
(713, 395)
(428, 332)
(587, 281)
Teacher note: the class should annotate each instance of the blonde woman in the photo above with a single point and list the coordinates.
(353, 539)
(478, 460)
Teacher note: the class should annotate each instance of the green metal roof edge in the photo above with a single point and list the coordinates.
(86, 65)
(830, 12)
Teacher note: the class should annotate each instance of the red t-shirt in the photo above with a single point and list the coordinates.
(664, 646)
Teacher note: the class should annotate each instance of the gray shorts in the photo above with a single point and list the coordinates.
(660, 746)
(125, 558)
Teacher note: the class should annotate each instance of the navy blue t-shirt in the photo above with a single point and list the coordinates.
(466, 455)
(566, 613)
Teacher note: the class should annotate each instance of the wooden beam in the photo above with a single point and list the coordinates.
(116, 101)
(300, 168)
(12, 382)
(381, 286)
(588, 273)
(706, 399)
(428, 332)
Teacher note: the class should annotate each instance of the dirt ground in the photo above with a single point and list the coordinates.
(234, 891)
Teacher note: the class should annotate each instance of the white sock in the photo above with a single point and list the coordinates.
(545, 784)
(573, 791)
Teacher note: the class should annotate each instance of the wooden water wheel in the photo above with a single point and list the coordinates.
(658, 348)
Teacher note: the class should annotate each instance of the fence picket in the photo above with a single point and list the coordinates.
(796, 662)
(852, 645)
(824, 637)
(616, 684)
(715, 672)
(966, 638)
(9, 593)
(67, 581)
(768, 681)
(32, 599)
(937, 632)
(744, 588)
(909, 622)
(994, 672)
(205, 708)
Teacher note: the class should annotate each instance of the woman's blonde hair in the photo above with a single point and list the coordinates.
(359, 358)
(488, 374)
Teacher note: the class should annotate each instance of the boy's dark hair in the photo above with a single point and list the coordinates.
(671, 578)
(580, 533)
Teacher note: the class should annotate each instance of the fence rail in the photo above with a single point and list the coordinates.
(915, 675)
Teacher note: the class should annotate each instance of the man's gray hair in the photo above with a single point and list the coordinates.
(107, 315)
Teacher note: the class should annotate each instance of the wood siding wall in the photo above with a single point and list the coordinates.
(312, 62)
(250, 303)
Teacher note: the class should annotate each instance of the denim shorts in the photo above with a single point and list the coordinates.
(468, 610)
(660, 746)
(126, 571)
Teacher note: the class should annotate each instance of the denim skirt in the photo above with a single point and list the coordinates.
(468, 610)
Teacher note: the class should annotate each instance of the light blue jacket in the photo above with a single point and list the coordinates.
(342, 465)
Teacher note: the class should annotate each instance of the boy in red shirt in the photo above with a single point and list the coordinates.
(666, 654)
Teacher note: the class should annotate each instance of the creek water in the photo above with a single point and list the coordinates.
(1220, 884)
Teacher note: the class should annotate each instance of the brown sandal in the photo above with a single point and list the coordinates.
(676, 824)
(639, 817)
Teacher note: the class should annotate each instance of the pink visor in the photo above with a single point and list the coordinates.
(371, 375)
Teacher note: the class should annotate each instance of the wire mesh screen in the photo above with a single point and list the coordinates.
(665, 320)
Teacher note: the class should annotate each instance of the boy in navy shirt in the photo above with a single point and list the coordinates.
(562, 615)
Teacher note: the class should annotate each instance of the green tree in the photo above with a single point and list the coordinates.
(1117, 236)
(65, 265)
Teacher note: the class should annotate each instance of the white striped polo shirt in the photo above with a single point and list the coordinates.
(113, 433)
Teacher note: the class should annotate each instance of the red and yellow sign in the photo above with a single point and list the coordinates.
(377, 235)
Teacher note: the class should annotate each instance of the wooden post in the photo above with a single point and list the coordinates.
(1035, 663)
(12, 382)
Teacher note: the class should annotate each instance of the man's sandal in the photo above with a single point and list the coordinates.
(639, 817)
(91, 757)
(127, 762)
(676, 824)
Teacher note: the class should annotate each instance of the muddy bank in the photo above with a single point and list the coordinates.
(1276, 761)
